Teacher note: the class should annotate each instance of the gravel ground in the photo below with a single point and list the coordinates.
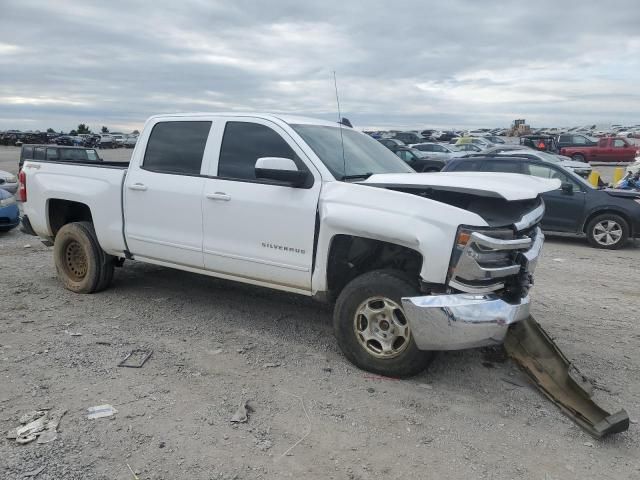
(217, 344)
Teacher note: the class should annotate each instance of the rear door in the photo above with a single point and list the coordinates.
(564, 211)
(163, 193)
(257, 229)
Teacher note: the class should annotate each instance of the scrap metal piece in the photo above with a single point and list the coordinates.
(534, 351)
(140, 355)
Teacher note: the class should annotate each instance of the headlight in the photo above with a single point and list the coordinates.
(487, 256)
(5, 202)
(11, 179)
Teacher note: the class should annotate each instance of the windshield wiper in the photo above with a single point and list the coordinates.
(362, 176)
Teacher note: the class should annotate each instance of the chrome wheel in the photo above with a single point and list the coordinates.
(75, 261)
(607, 232)
(381, 327)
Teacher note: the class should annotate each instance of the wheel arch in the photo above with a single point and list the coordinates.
(352, 255)
(61, 212)
(610, 210)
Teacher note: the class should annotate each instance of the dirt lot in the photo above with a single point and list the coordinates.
(314, 415)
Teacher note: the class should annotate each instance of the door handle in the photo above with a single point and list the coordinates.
(138, 186)
(219, 196)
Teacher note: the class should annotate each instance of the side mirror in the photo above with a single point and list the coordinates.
(567, 188)
(281, 170)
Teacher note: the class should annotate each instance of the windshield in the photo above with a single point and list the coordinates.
(363, 156)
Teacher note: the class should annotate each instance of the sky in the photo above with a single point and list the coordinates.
(403, 64)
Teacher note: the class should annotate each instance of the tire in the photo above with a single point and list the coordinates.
(378, 290)
(81, 264)
(608, 230)
(578, 157)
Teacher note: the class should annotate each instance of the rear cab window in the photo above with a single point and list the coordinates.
(176, 147)
(52, 154)
(27, 153)
(39, 153)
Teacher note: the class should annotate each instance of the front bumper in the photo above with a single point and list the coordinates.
(459, 321)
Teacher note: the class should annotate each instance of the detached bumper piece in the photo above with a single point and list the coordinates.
(534, 351)
(454, 322)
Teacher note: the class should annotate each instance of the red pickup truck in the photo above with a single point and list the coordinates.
(609, 149)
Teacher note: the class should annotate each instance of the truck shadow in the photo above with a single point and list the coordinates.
(211, 305)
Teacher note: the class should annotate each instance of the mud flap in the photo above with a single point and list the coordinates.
(534, 351)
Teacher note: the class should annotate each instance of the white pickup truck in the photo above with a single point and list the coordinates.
(415, 262)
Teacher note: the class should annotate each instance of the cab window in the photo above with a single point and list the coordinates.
(244, 143)
(176, 147)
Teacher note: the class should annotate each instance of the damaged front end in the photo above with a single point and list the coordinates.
(560, 381)
(487, 303)
(491, 271)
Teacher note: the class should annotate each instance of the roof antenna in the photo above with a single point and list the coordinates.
(344, 162)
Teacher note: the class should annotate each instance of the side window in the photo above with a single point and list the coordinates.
(39, 153)
(544, 171)
(27, 153)
(92, 155)
(438, 148)
(52, 154)
(564, 138)
(579, 140)
(504, 166)
(176, 147)
(618, 143)
(244, 143)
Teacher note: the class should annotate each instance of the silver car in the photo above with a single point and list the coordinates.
(8, 182)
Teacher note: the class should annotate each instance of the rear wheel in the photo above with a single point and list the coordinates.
(371, 328)
(608, 231)
(578, 157)
(82, 265)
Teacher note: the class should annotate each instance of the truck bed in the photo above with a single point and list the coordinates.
(96, 185)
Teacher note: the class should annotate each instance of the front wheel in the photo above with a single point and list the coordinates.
(578, 157)
(608, 231)
(371, 328)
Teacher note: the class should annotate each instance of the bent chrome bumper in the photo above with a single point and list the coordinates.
(455, 322)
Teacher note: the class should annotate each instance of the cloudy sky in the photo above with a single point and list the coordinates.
(404, 63)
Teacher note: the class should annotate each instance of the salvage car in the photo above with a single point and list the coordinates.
(414, 262)
(9, 213)
(575, 140)
(608, 149)
(419, 161)
(581, 168)
(8, 181)
(608, 218)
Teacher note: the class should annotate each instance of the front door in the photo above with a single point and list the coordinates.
(163, 196)
(255, 229)
(564, 210)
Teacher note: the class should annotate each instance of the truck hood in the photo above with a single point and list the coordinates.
(508, 186)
